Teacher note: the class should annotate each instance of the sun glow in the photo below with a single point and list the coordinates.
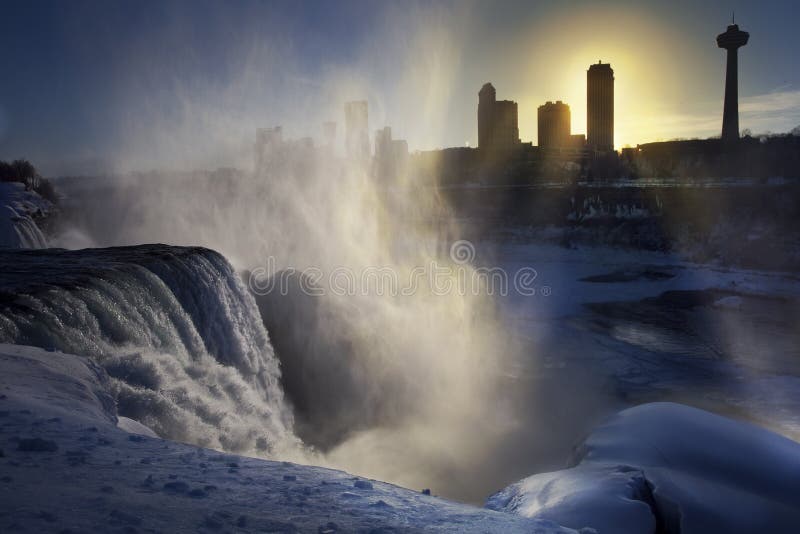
(647, 73)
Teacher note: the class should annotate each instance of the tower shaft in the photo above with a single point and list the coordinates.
(730, 114)
(731, 40)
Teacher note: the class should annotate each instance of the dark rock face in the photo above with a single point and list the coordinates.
(315, 341)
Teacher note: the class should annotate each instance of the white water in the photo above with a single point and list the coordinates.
(20, 231)
(175, 328)
(17, 227)
(418, 375)
(412, 380)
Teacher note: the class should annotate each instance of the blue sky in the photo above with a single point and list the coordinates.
(137, 85)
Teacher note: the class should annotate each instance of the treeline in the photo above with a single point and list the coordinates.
(23, 171)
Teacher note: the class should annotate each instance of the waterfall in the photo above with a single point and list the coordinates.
(18, 207)
(25, 232)
(175, 329)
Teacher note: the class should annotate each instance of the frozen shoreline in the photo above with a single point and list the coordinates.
(66, 464)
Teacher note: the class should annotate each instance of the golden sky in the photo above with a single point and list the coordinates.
(651, 65)
(141, 86)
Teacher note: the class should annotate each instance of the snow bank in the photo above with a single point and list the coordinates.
(18, 210)
(606, 498)
(135, 427)
(61, 384)
(66, 467)
(696, 472)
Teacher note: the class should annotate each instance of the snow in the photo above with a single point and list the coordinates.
(132, 426)
(735, 354)
(606, 498)
(18, 210)
(564, 271)
(157, 318)
(84, 474)
(68, 462)
(695, 471)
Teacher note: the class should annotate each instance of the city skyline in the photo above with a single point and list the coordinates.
(167, 84)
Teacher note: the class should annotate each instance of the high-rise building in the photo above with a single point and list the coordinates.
(400, 152)
(486, 101)
(506, 125)
(329, 133)
(384, 154)
(554, 125)
(498, 126)
(600, 107)
(356, 126)
(268, 143)
(732, 40)
(391, 156)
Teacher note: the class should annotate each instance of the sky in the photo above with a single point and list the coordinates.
(137, 85)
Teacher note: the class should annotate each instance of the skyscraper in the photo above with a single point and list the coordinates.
(384, 154)
(391, 156)
(356, 124)
(329, 134)
(506, 125)
(269, 141)
(600, 107)
(554, 125)
(731, 41)
(498, 126)
(486, 100)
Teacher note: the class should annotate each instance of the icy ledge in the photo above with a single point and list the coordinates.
(19, 210)
(666, 467)
(65, 466)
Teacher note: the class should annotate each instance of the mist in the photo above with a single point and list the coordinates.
(417, 388)
(412, 385)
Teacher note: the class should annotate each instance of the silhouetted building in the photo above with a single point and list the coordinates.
(486, 100)
(731, 41)
(276, 157)
(498, 127)
(391, 156)
(356, 126)
(554, 125)
(268, 143)
(329, 133)
(506, 128)
(304, 143)
(577, 141)
(384, 154)
(600, 107)
(400, 151)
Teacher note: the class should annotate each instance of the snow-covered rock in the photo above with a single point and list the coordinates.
(66, 467)
(19, 210)
(132, 426)
(665, 467)
(606, 498)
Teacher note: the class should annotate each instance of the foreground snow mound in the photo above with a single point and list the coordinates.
(66, 467)
(665, 467)
(605, 498)
(19, 210)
